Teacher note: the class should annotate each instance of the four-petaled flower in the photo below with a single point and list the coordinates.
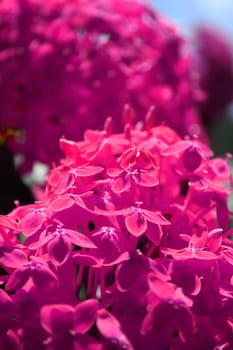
(59, 242)
(67, 326)
(37, 269)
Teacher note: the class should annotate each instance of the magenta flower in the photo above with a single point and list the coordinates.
(137, 218)
(124, 179)
(192, 153)
(130, 247)
(111, 243)
(34, 219)
(67, 325)
(59, 243)
(205, 192)
(62, 59)
(202, 246)
(172, 311)
(131, 271)
(37, 269)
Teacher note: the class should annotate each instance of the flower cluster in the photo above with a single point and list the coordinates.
(129, 249)
(64, 65)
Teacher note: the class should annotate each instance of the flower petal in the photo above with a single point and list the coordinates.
(80, 239)
(32, 222)
(18, 278)
(110, 328)
(215, 239)
(132, 269)
(223, 215)
(158, 318)
(87, 260)
(8, 222)
(114, 172)
(147, 179)
(70, 149)
(123, 257)
(59, 249)
(57, 319)
(161, 289)
(44, 278)
(136, 224)
(13, 259)
(205, 255)
(85, 315)
(154, 234)
(228, 255)
(67, 180)
(192, 158)
(88, 170)
(62, 202)
(121, 184)
(177, 147)
(42, 241)
(155, 217)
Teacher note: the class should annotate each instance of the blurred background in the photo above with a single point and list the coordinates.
(187, 14)
(216, 15)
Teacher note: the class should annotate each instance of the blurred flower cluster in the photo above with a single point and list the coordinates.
(67, 65)
(129, 249)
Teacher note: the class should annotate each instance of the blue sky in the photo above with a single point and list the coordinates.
(188, 13)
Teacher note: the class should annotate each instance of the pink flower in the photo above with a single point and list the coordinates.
(59, 243)
(129, 248)
(124, 179)
(37, 269)
(67, 325)
(62, 59)
(173, 310)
